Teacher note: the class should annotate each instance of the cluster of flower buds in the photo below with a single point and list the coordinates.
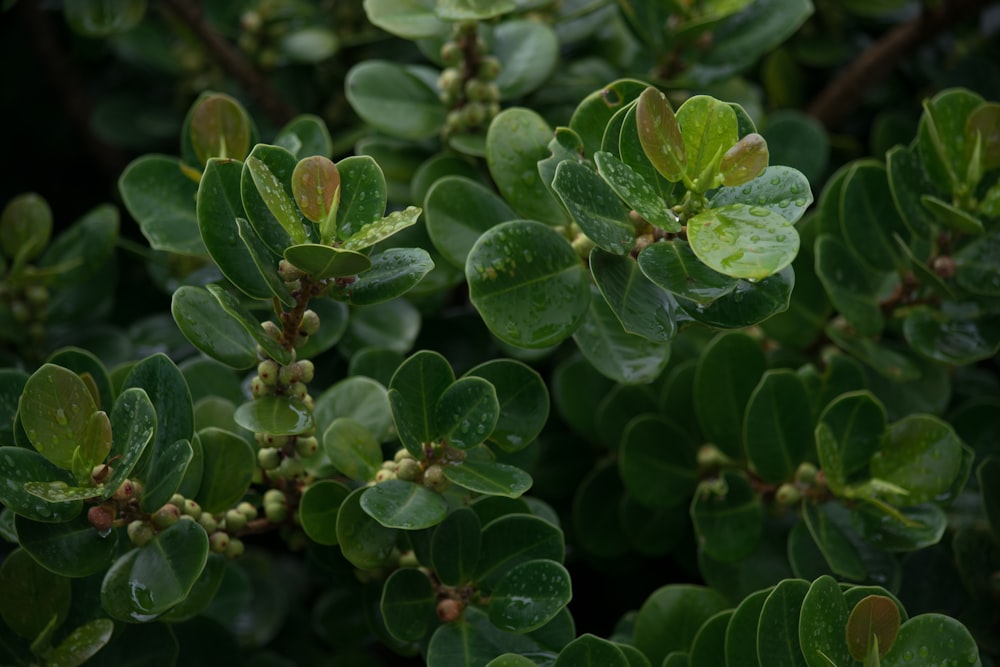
(222, 528)
(467, 85)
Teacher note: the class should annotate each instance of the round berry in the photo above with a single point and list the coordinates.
(309, 322)
(788, 494)
(267, 371)
(268, 458)
(218, 542)
(409, 470)
(435, 479)
(489, 68)
(306, 446)
(274, 497)
(276, 513)
(306, 370)
(101, 517)
(249, 510)
(236, 520)
(166, 516)
(451, 53)
(191, 508)
(271, 329)
(449, 610)
(291, 467)
(401, 454)
(235, 548)
(208, 522)
(139, 532)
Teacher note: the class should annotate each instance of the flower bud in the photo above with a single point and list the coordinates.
(435, 479)
(409, 470)
(191, 508)
(268, 458)
(788, 495)
(306, 446)
(235, 548)
(309, 322)
(249, 510)
(237, 520)
(306, 370)
(218, 542)
(166, 516)
(101, 517)
(267, 371)
(449, 610)
(139, 533)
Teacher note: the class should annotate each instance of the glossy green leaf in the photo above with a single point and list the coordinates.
(364, 542)
(359, 398)
(167, 468)
(410, 19)
(595, 207)
(379, 230)
(20, 466)
(673, 266)
(826, 524)
(229, 464)
(849, 432)
(278, 415)
(318, 510)
(907, 182)
(393, 272)
(489, 478)
(977, 264)
(778, 426)
(81, 644)
(528, 51)
(466, 412)
(517, 139)
(71, 549)
(265, 261)
(868, 216)
(407, 605)
(12, 383)
(960, 338)
(588, 650)
(414, 391)
(952, 216)
(934, 638)
(151, 644)
(872, 627)
(202, 593)
(778, 629)
(850, 286)
(268, 194)
(352, 449)
(455, 547)
(708, 646)
(528, 284)
(709, 128)
(55, 407)
(743, 241)
(449, 225)
(219, 204)
(393, 100)
(219, 127)
(323, 261)
(514, 539)
(592, 114)
(304, 136)
(211, 329)
(90, 368)
(822, 619)
(473, 10)
(741, 635)
(133, 428)
(617, 354)
(781, 190)
(523, 398)
(728, 371)
(913, 528)
(728, 517)
(922, 455)
(529, 595)
(511, 660)
(148, 581)
(396, 503)
(657, 462)
(391, 325)
(159, 196)
(636, 192)
(941, 137)
(660, 135)
(362, 194)
(671, 616)
(33, 597)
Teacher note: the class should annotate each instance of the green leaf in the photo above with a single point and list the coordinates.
(708, 646)
(316, 189)
(904, 529)
(636, 192)
(268, 194)
(529, 595)
(410, 19)
(907, 182)
(159, 196)
(981, 126)
(489, 478)
(517, 139)
(872, 626)
(449, 225)
(528, 284)
(728, 517)
(393, 100)
(277, 415)
(220, 203)
(211, 329)
(229, 465)
(81, 644)
(741, 635)
(822, 620)
(202, 593)
(957, 337)
(617, 354)
(514, 539)
(511, 660)
(671, 616)
(473, 10)
(359, 398)
(265, 261)
(352, 449)
(133, 428)
(414, 391)
(323, 261)
(657, 462)
(362, 194)
(379, 230)
(588, 650)
(591, 116)
(709, 128)
(826, 524)
(466, 412)
(217, 126)
(934, 638)
(778, 629)
(396, 503)
(33, 597)
(743, 241)
(20, 466)
(728, 371)
(977, 265)
(523, 398)
(849, 284)
(595, 207)
(408, 605)
(304, 136)
(394, 272)
(528, 51)
(364, 542)
(941, 138)
(673, 266)
(318, 510)
(54, 408)
(849, 432)
(70, 549)
(455, 547)
(922, 455)
(868, 217)
(778, 426)
(660, 135)
(148, 581)
(781, 190)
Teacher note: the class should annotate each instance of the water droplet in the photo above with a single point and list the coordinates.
(61, 417)
(794, 189)
(775, 181)
(755, 238)
(779, 238)
(908, 656)
(800, 201)
(783, 203)
(759, 212)
(747, 190)
(923, 651)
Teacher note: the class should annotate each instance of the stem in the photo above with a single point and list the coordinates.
(230, 58)
(845, 92)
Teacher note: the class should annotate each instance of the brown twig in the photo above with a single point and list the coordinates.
(230, 58)
(845, 92)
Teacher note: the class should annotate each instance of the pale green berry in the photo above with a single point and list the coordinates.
(451, 53)
(191, 508)
(218, 542)
(384, 475)
(258, 389)
(271, 329)
(177, 500)
(409, 470)
(309, 322)
(474, 114)
(289, 374)
(435, 479)
(208, 522)
(236, 520)
(805, 474)
(267, 371)
(389, 465)
(166, 516)
(139, 532)
(298, 390)
(306, 446)
(274, 497)
(276, 513)
(249, 510)
(788, 494)
(291, 467)
(289, 271)
(306, 370)
(235, 548)
(450, 82)
(268, 458)
(401, 454)
(489, 68)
